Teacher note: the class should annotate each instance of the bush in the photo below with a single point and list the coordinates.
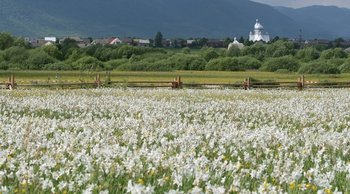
(16, 55)
(114, 64)
(319, 67)
(333, 53)
(286, 62)
(53, 51)
(38, 59)
(280, 48)
(256, 50)
(106, 53)
(6, 40)
(4, 65)
(233, 52)
(308, 54)
(59, 66)
(224, 64)
(182, 61)
(127, 51)
(143, 66)
(345, 67)
(283, 71)
(209, 54)
(247, 62)
(88, 63)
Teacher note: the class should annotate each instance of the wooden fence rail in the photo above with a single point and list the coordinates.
(177, 83)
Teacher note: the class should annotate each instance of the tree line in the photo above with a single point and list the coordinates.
(278, 56)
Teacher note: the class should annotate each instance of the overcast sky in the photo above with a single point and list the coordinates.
(304, 3)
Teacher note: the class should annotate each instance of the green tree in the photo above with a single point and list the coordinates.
(233, 52)
(227, 41)
(21, 43)
(333, 53)
(247, 62)
(224, 64)
(16, 57)
(241, 40)
(53, 51)
(319, 67)
(38, 59)
(158, 40)
(88, 63)
(280, 48)
(338, 42)
(6, 40)
(209, 54)
(308, 54)
(285, 62)
(67, 46)
(256, 50)
(202, 42)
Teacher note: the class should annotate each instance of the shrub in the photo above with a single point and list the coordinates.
(182, 61)
(4, 65)
(114, 64)
(143, 66)
(88, 63)
(247, 62)
(345, 67)
(308, 54)
(15, 55)
(59, 66)
(106, 54)
(279, 48)
(224, 64)
(209, 54)
(333, 53)
(53, 51)
(283, 71)
(256, 50)
(285, 62)
(319, 67)
(233, 52)
(38, 59)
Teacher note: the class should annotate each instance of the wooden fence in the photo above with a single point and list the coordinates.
(177, 83)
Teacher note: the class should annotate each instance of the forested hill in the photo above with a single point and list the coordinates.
(321, 21)
(143, 18)
(174, 18)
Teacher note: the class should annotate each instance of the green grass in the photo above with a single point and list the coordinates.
(187, 76)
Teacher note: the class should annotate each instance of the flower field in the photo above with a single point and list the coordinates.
(174, 141)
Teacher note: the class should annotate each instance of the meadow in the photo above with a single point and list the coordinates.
(187, 76)
(174, 141)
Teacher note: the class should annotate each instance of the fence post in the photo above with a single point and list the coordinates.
(98, 81)
(11, 82)
(176, 84)
(247, 83)
(179, 83)
(301, 82)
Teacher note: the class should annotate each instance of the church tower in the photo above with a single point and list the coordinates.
(258, 34)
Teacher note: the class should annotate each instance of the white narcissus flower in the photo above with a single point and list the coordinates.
(66, 141)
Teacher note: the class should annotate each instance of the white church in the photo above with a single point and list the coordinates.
(258, 34)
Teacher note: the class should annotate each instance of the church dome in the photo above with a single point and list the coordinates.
(258, 26)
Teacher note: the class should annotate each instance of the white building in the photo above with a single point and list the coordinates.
(50, 39)
(235, 43)
(258, 34)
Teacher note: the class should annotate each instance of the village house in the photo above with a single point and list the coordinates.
(107, 41)
(142, 42)
(81, 42)
(216, 43)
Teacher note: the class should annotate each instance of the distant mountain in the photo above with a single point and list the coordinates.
(174, 18)
(321, 21)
